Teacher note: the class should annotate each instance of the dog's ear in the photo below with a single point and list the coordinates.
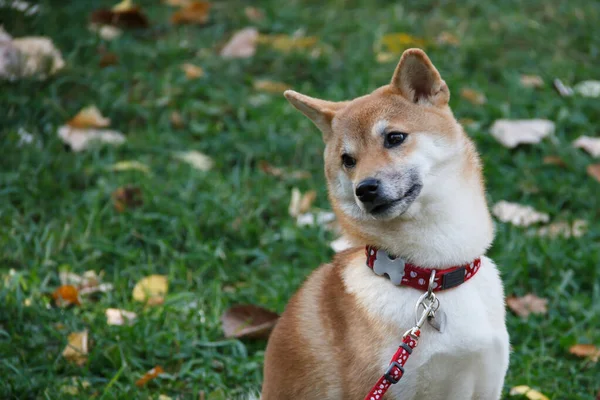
(418, 81)
(320, 112)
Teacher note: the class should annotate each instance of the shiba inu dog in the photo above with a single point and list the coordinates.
(405, 182)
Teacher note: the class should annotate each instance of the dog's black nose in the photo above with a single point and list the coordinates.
(368, 190)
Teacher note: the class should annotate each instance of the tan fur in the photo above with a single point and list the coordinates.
(325, 343)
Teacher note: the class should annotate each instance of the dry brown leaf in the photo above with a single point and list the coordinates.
(528, 392)
(518, 214)
(280, 172)
(528, 304)
(287, 43)
(88, 283)
(588, 88)
(254, 14)
(148, 376)
(248, 322)
(265, 85)
(107, 59)
(593, 170)
(127, 197)
(448, 38)
(77, 348)
(588, 351)
(34, 56)
(66, 295)
(554, 160)
(151, 289)
(473, 96)
(589, 144)
(196, 12)
(242, 44)
(564, 229)
(196, 159)
(532, 81)
(192, 71)
(128, 18)
(301, 203)
(89, 117)
(511, 133)
(116, 316)
(177, 120)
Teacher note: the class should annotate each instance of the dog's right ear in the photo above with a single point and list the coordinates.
(320, 112)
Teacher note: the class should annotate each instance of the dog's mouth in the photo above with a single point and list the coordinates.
(406, 200)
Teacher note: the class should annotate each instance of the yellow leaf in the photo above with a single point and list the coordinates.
(89, 117)
(265, 85)
(77, 348)
(286, 43)
(129, 166)
(528, 392)
(151, 289)
(123, 6)
(148, 376)
(115, 316)
(192, 71)
(196, 159)
(398, 42)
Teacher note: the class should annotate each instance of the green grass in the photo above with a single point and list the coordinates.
(229, 227)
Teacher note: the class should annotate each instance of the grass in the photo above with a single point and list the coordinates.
(224, 236)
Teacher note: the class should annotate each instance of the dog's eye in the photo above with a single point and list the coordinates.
(348, 161)
(394, 139)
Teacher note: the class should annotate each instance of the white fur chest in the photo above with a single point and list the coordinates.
(467, 361)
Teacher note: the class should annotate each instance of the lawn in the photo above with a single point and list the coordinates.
(224, 236)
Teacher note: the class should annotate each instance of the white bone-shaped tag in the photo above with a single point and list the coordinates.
(392, 267)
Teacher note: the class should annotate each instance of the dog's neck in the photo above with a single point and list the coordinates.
(449, 225)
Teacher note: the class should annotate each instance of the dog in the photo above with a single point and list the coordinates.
(405, 182)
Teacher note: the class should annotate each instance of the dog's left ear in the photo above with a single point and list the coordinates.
(320, 112)
(418, 81)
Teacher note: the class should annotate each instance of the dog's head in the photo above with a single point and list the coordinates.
(390, 151)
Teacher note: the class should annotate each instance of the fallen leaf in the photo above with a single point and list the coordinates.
(532, 81)
(132, 18)
(254, 14)
(473, 96)
(589, 144)
(107, 59)
(396, 43)
(148, 376)
(196, 12)
(176, 120)
(528, 392)
(248, 321)
(300, 203)
(383, 57)
(287, 43)
(89, 117)
(562, 89)
(130, 165)
(554, 160)
(192, 71)
(106, 32)
(588, 88)
(88, 283)
(514, 132)
(242, 44)
(127, 197)
(196, 159)
(125, 5)
(29, 57)
(77, 348)
(586, 350)
(265, 85)
(528, 304)
(66, 295)
(280, 172)
(321, 218)
(340, 244)
(115, 316)
(593, 170)
(448, 38)
(577, 229)
(151, 289)
(518, 214)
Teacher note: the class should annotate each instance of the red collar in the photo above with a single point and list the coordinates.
(406, 274)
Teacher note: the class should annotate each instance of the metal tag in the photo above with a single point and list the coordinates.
(392, 267)
(438, 321)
